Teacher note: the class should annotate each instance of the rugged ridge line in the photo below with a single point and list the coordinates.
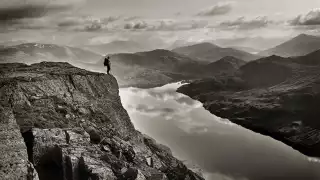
(74, 128)
(274, 96)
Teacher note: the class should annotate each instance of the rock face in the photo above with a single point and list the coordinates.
(274, 96)
(14, 164)
(73, 127)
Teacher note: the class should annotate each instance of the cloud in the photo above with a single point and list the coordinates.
(218, 9)
(119, 24)
(17, 9)
(131, 18)
(54, 16)
(310, 19)
(84, 23)
(136, 25)
(243, 23)
(165, 25)
(33, 14)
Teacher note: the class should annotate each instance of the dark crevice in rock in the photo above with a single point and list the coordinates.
(50, 166)
(71, 81)
(29, 140)
(84, 172)
(67, 137)
(68, 87)
(68, 168)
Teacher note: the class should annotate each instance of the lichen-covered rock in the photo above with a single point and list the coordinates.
(75, 128)
(14, 163)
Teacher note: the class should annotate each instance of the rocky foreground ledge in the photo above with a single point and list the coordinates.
(274, 96)
(58, 122)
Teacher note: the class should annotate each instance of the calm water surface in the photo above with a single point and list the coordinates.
(225, 151)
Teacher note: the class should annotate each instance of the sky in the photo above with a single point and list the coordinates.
(252, 23)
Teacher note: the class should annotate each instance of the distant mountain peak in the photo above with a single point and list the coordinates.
(205, 44)
(300, 45)
(305, 35)
(274, 56)
(209, 52)
(160, 51)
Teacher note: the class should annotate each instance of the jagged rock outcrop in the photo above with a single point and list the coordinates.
(75, 128)
(275, 96)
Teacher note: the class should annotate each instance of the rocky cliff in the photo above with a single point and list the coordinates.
(275, 96)
(59, 122)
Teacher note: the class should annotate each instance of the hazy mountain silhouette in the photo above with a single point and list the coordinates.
(36, 52)
(298, 46)
(257, 42)
(142, 69)
(275, 96)
(117, 47)
(209, 52)
(246, 49)
(158, 67)
(154, 68)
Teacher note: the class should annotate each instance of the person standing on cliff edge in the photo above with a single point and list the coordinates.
(107, 63)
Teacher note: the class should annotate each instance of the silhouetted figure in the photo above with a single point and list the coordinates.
(107, 63)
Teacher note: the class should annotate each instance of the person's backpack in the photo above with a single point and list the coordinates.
(106, 61)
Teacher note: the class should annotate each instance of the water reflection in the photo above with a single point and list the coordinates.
(224, 150)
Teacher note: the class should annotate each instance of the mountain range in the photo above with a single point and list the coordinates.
(141, 69)
(117, 47)
(161, 66)
(209, 52)
(275, 96)
(37, 52)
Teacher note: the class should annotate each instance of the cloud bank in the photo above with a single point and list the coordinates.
(218, 9)
(17, 9)
(309, 19)
(243, 23)
(165, 25)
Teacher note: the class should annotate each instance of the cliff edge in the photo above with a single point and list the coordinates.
(59, 122)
